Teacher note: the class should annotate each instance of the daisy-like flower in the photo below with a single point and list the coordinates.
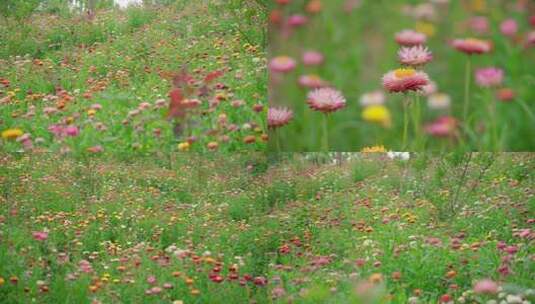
(377, 114)
(372, 98)
(410, 38)
(312, 81)
(439, 101)
(509, 27)
(282, 64)
(278, 117)
(415, 56)
(472, 46)
(326, 100)
(489, 77)
(403, 80)
(486, 286)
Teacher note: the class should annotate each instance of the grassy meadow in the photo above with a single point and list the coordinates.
(289, 228)
(77, 82)
(357, 45)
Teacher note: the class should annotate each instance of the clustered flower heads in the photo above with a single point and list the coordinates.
(326, 100)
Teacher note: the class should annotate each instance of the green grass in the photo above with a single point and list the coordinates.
(301, 225)
(359, 48)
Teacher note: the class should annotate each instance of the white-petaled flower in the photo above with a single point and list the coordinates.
(414, 56)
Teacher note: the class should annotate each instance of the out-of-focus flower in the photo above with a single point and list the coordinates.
(95, 149)
(414, 56)
(472, 46)
(480, 25)
(530, 38)
(372, 98)
(438, 101)
(403, 80)
(278, 117)
(486, 286)
(509, 27)
(373, 149)
(297, 20)
(282, 64)
(505, 94)
(11, 133)
(326, 100)
(410, 38)
(312, 58)
(429, 88)
(40, 235)
(377, 114)
(312, 81)
(404, 156)
(445, 126)
(489, 77)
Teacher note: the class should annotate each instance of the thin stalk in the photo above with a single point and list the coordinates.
(468, 77)
(416, 120)
(325, 138)
(406, 103)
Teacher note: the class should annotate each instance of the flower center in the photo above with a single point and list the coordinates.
(403, 73)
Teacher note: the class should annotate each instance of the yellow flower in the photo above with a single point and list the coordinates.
(478, 6)
(373, 149)
(183, 146)
(91, 112)
(11, 133)
(426, 28)
(377, 114)
(402, 73)
(2, 281)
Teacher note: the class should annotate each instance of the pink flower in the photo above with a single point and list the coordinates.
(415, 56)
(509, 27)
(444, 126)
(40, 235)
(282, 64)
(403, 80)
(71, 131)
(297, 20)
(472, 46)
(85, 266)
(486, 286)
(326, 100)
(489, 77)
(410, 38)
(278, 117)
(312, 58)
(480, 25)
(151, 279)
(530, 38)
(312, 81)
(96, 106)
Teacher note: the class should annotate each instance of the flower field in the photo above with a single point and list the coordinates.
(290, 228)
(430, 75)
(189, 75)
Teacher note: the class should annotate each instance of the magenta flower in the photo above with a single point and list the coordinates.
(282, 64)
(72, 131)
(414, 56)
(40, 235)
(480, 25)
(326, 100)
(489, 77)
(278, 117)
(297, 20)
(312, 58)
(312, 81)
(410, 38)
(404, 80)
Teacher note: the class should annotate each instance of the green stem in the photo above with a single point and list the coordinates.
(406, 103)
(416, 121)
(468, 77)
(277, 140)
(325, 138)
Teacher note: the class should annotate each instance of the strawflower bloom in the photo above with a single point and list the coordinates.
(40, 235)
(410, 38)
(278, 117)
(403, 80)
(377, 114)
(326, 100)
(282, 64)
(489, 77)
(509, 27)
(312, 81)
(438, 101)
(486, 286)
(444, 126)
(312, 58)
(472, 46)
(414, 56)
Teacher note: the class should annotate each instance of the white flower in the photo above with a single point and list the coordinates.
(372, 98)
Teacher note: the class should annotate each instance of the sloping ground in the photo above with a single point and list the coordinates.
(214, 229)
(105, 83)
